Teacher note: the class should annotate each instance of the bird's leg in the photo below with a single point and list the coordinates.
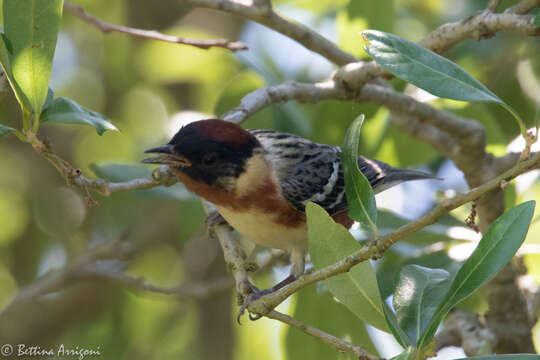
(297, 269)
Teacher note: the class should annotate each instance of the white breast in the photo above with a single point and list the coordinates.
(262, 229)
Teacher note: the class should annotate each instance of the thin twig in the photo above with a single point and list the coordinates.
(88, 267)
(55, 280)
(198, 291)
(73, 176)
(339, 344)
(152, 34)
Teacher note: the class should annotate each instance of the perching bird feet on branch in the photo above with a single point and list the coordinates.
(257, 294)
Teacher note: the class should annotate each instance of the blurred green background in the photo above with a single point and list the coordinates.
(149, 89)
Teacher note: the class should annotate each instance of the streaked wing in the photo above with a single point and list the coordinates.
(308, 171)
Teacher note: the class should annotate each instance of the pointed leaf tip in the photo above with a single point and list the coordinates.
(494, 251)
(67, 111)
(424, 68)
(429, 71)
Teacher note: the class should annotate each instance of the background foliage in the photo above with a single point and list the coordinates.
(148, 89)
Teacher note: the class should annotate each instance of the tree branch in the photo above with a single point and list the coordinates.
(462, 328)
(290, 90)
(483, 25)
(233, 252)
(449, 133)
(266, 16)
(339, 344)
(106, 27)
(73, 176)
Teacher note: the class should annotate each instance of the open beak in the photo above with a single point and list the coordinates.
(166, 156)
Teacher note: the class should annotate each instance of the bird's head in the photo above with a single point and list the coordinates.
(214, 152)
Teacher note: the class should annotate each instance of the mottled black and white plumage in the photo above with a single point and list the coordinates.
(309, 171)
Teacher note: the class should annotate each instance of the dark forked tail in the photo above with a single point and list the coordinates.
(382, 176)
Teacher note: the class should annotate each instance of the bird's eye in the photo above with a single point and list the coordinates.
(209, 159)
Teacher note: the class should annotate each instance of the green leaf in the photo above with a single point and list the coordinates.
(4, 130)
(360, 197)
(49, 99)
(537, 20)
(67, 111)
(498, 245)
(391, 320)
(32, 26)
(424, 68)
(6, 65)
(405, 355)
(125, 172)
(428, 70)
(389, 267)
(357, 289)
(418, 294)
(336, 319)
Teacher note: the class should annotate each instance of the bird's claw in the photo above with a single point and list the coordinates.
(255, 295)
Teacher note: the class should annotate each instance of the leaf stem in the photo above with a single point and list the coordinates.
(19, 135)
(35, 127)
(25, 119)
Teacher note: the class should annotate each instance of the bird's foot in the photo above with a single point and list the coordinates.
(214, 219)
(255, 294)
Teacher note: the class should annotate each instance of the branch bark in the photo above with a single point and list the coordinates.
(462, 328)
(106, 27)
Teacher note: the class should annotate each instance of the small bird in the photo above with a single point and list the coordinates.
(261, 180)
